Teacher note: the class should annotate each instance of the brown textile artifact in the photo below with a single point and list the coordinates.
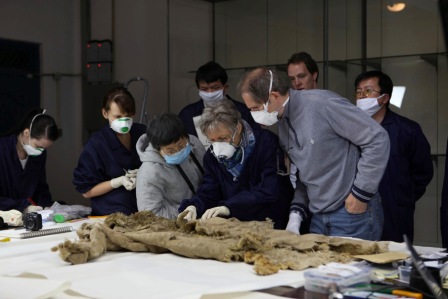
(225, 240)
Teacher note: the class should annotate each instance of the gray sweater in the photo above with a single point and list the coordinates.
(160, 186)
(337, 148)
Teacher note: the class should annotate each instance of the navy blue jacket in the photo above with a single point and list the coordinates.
(444, 205)
(195, 109)
(408, 172)
(258, 193)
(103, 158)
(18, 184)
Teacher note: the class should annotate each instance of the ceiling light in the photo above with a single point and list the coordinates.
(396, 7)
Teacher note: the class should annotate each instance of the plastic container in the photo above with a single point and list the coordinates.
(404, 273)
(343, 275)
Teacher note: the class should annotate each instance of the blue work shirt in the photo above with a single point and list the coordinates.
(103, 158)
(259, 192)
(18, 184)
(408, 172)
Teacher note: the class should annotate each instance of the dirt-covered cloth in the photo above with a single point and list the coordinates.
(254, 242)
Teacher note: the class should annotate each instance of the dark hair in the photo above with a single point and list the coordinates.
(384, 81)
(43, 125)
(306, 58)
(165, 129)
(211, 72)
(122, 97)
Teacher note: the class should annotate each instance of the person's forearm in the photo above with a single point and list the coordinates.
(100, 189)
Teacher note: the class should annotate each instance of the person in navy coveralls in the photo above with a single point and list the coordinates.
(23, 181)
(107, 168)
(241, 176)
(409, 168)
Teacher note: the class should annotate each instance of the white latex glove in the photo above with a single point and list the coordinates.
(295, 219)
(123, 181)
(130, 185)
(32, 208)
(12, 217)
(214, 212)
(131, 173)
(191, 215)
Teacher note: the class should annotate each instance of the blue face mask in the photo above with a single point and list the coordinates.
(178, 157)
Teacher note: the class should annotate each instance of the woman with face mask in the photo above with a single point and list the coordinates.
(23, 183)
(241, 176)
(107, 168)
(171, 166)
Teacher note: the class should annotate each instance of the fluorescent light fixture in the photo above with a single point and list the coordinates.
(396, 7)
(397, 96)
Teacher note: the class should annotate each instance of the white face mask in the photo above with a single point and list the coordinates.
(369, 105)
(32, 151)
(223, 150)
(121, 125)
(29, 149)
(264, 117)
(211, 96)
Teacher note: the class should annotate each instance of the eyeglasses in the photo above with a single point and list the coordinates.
(173, 149)
(228, 139)
(365, 92)
(225, 139)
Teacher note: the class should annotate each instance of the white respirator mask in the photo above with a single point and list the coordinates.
(121, 125)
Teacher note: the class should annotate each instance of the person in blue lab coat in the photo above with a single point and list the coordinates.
(444, 205)
(23, 181)
(241, 166)
(211, 80)
(409, 169)
(107, 168)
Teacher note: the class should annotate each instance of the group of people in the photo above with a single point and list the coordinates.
(334, 168)
(409, 165)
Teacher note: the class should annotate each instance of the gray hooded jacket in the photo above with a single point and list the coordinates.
(160, 186)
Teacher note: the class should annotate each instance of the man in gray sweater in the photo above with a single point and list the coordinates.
(340, 153)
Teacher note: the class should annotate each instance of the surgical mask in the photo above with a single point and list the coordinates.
(369, 105)
(121, 125)
(223, 150)
(179, 157)
(29, 149)
(212, 96)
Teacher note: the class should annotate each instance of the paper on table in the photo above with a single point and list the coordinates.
(24, 288)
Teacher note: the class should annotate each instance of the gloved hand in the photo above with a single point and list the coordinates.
(12, 217)
(214, 212)
(131, 173)
(295, 219)
(128, 183)
(131, 184)
(32, 208)
(191, 215)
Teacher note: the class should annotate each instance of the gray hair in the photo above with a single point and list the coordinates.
(220, 114)
(256, 83)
